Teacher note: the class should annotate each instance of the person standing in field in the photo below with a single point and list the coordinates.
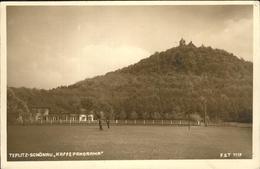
(108, 123)
(100, 124)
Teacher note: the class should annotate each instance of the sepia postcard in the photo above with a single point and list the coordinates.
(113, 84)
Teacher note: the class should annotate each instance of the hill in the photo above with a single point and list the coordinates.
(167, 85)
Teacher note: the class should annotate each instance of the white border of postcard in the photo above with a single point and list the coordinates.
(253, 163)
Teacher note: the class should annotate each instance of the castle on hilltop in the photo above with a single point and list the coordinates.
(182, 42)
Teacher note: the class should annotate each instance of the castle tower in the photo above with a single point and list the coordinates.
(182, 42)
(191, 44)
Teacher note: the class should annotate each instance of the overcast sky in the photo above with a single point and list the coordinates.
(52, 46)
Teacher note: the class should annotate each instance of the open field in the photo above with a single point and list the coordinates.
(130, 142)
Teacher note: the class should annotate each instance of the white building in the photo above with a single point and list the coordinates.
(84, 117)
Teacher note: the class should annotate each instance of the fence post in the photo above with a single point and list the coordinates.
(171, 121)
(144, 121)
(116, 121)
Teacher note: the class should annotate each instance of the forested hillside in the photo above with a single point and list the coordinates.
(167, 85)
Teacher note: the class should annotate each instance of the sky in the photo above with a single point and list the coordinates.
(49, 46)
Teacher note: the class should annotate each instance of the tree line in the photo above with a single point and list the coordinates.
(182, 82)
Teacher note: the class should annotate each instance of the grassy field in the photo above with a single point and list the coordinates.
(130, 142)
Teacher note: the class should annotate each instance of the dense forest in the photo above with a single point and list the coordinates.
(184, 80)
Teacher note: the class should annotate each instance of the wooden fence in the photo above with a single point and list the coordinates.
(136, 122)
(113, 122)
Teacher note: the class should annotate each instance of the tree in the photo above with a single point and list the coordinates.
(167, 116)
(122, 115)
(145, 115)
(133, 115)
(99, 114)
(195, 117)
(177, 113)
(75, 104)
(87, 103)
(204, 107)
(17, 109)
(156, 115)
(109, 111)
